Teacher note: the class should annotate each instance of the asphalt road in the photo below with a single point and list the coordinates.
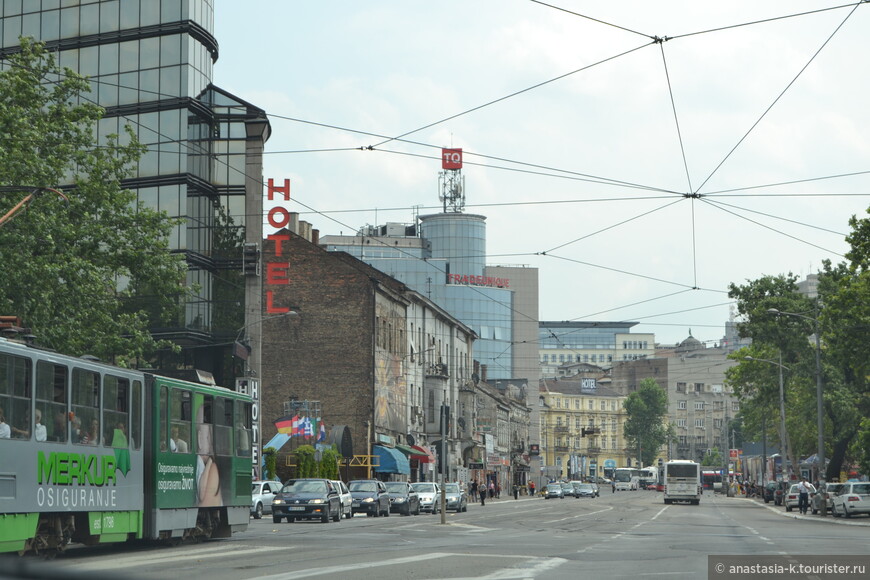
(622, 535)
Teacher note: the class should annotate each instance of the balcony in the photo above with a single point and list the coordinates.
(593, 450)
(560, 428)
(561, 448)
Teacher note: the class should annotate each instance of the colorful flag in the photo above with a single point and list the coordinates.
(284, 425)
(296, 426)
(321, 435)
(309, 428)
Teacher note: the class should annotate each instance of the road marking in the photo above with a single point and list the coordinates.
(607, 509)
(160, 556)
(661, 511)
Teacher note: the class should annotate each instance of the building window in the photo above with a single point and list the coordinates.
(699, 387)
(735, 406)
(699, 423)
(681, 387)
(683, 440)
(699, 405)
(717, 423)
(603, 405)
(612, 405)
(681, 422)
(681, 404)
(591, 405)
(577, 403)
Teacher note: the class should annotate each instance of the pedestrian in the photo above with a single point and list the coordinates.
(473, 490)
(532, 488)
(498, 490)
(803, 495)
(482, 494)
(491, 490)
(516, 491)
(612, 487)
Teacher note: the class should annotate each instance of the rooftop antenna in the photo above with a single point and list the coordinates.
(451, 183)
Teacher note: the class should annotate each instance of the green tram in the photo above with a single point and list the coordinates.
(91, 453)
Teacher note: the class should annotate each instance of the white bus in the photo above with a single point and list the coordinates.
(682, 481)
(626, 478)
(649, 477)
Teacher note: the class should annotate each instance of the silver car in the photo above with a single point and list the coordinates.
(262, 493)
(456, 499)
(853, 498)
(346, 498)
(430, 498)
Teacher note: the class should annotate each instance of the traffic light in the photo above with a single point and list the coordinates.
(250, 259)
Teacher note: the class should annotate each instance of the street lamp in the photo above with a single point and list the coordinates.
(781, 400)
(820, 454)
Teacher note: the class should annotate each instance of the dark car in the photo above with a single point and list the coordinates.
(403, 499)
(769, 491)
(307, 499)
(370, 497)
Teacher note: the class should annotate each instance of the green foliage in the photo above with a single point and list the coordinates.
(305, 464)
(713, 457)
(78, 273)
(329, 463)
(270, 454)
(645, 426)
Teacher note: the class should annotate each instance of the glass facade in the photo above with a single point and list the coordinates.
(150, 63)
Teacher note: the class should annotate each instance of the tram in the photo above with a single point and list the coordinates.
(91, 453)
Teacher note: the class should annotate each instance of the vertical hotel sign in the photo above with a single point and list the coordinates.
(277, 272)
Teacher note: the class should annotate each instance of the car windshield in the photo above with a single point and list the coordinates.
(366, 486)
(396, 487)
(423, 487)
(451, 488)
(303, 486)
(584, 486)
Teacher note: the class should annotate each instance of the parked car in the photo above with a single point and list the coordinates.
(829, 491)
(429, 494)
(262, 494)
(567, 489)
(346, 498)
(853, 498)
(307, 498)
(768, 492)
(792, 497)
(596, 488)
(370, 497)
(456, 499)
(554, 490)
(583, 489)
(403, 499)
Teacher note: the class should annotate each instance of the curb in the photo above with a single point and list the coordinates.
(829, 519)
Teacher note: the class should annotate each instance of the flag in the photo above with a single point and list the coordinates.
(321, 435)
(284, 425)
(296, 431)
(309, 428)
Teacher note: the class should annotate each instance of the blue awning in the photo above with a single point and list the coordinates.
(278, 441)
(391, 461)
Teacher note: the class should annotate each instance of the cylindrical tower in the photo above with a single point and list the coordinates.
(459, 238)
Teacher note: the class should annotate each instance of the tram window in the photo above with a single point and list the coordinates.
(163, 411)
(116, 404)
(136, 416)
(180, 414)
(86, 407)
(15, 388)
(205, 427)
(223, 429)
(243, 429)
(51, 399)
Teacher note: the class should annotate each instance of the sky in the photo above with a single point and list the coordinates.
(642, 155)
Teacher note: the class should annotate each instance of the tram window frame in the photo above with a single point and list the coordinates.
(205, 443)
(85, 400)
(52, 382)
(181, 414)
(163, 413)
(243, 423)
(223, 426)
(16, 386)
(136, 415)
(116, 409)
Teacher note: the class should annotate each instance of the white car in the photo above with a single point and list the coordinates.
(430, 496)
(792, 498)
(853, 498)
(262, 493)
(346, 498)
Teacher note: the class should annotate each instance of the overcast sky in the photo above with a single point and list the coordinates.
(642, 155)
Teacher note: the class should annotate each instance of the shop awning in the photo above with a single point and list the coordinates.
(391, 461)
(408, 451)
(422, 455)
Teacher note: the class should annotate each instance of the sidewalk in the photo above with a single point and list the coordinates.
(861, 521)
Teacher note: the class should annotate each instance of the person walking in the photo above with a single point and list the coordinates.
(532, 488)
(803, 495)
(482, 494)
(473, 490)
(491, 490)
(516, 491)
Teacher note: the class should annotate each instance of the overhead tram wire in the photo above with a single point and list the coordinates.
(812, 226)
(676, 117)
(776, 100)
(592, 19)
(721, 193)
(618, 271)
(759, 224)
(610, 227)
(514, 94)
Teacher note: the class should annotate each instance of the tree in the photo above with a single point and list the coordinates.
(91, 275)
(645, 427)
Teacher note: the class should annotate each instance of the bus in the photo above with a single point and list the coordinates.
(99, 454)
(682, 481)
(626, 478)
(711, 479)
(648, 477)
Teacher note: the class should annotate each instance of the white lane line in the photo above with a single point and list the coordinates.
(607, 509)
(161, 557)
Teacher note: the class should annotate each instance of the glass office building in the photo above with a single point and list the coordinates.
(444, 258)
(150, 66)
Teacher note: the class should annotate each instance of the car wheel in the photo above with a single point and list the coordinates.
(846, 513)
(349, 514)
(337, 516)
(276, 519)
(387, 513)
(834, 511)
(258, 511)
(324, 518)
(417, 511)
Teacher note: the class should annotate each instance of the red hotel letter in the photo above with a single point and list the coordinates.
(270, 192)
(278, 216)
(276, 273)
(279, 240)
(270, 308)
